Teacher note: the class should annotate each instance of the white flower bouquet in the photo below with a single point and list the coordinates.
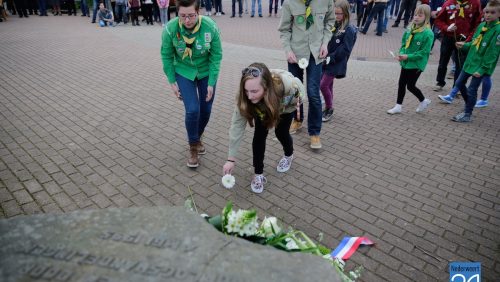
(244, 224)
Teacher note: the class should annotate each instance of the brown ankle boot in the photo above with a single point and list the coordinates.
(193, 160)
(201, 149)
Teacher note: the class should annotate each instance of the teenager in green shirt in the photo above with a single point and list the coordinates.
(481, 59)
(413, 57)
(191, 52)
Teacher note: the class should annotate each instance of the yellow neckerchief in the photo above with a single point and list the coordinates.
(259, 112)
(412, 32)
(479, 38)
(462, 5)
(189, 41)
(309, 16)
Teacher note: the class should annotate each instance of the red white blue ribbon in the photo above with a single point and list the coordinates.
(348, 246)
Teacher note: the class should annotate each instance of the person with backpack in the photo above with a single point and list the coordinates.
(266, 99)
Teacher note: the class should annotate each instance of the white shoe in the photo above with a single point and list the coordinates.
(395, 110)
(423, 105)
(258, 183)
(284, 164)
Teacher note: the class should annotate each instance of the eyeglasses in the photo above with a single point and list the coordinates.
(188, 16)
(255, 72)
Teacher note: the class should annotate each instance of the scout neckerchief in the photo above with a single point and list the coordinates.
(479, 38)
(309, 16)
(189, 41)
(462, 5)
(412, 32)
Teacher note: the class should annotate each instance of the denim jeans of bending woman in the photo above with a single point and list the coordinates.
(197, 109)
(313, 76)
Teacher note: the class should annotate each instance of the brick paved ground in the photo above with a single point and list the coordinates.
(87, 122)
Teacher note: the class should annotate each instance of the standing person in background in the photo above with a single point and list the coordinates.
(259, 8)
(305, 30)
(164, 13)
(70, 4)
(191, 52)
(413, 57)
(360, 10)
(84, 6)
(208, 8)
(377, 10)
(339, 50)
(395, 8)
(406, 8)
(134, 11)
(121, 11)
(21, 8)
(42, 4)
(218, 7)
(275, 7)
(95, 7)
(233, 8)
(266, 99)
(148, 11)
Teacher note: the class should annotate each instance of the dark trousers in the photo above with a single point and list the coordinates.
(21, 8)
(406, 7)
(42, 5)
(271, 6)
(71, 7)
(407, 80)
(282, 132)
(218, 6)
(378, 10)
(240, 7)
(448, 49)
(148, 12)
(134, 11)
(121, 14)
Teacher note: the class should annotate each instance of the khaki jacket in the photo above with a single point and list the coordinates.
(292, 28)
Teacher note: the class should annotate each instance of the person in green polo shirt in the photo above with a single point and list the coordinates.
(482, 58)
(191, 52)
(413, 57)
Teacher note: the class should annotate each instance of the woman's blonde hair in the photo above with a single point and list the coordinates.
(273, 92)
(426, 10)
(344, 6)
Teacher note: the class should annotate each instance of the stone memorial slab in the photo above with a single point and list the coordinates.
(142, 244)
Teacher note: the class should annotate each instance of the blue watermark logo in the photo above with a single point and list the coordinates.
(465, 271)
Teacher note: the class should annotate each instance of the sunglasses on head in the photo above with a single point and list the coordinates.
(253, 71)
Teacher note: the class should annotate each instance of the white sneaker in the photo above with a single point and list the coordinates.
(423, 105)
(258, 183)
(395, 110)
(284, 164)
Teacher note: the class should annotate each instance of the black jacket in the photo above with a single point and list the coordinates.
(339, 50)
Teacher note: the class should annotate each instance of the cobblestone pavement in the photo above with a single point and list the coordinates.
(87, 122)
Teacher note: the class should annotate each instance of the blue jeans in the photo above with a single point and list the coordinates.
(395, 7)
(469, 93)
(313, 75)
(95, 6)
(197, 109)
(259, 4)
(485, 91)
(378, 8)
(84, 7)
(121, 14)
(208, 6)
(387, 15)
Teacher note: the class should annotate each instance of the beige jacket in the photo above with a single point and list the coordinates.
(292, 28)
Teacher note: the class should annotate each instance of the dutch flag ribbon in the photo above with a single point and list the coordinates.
(348, 246)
